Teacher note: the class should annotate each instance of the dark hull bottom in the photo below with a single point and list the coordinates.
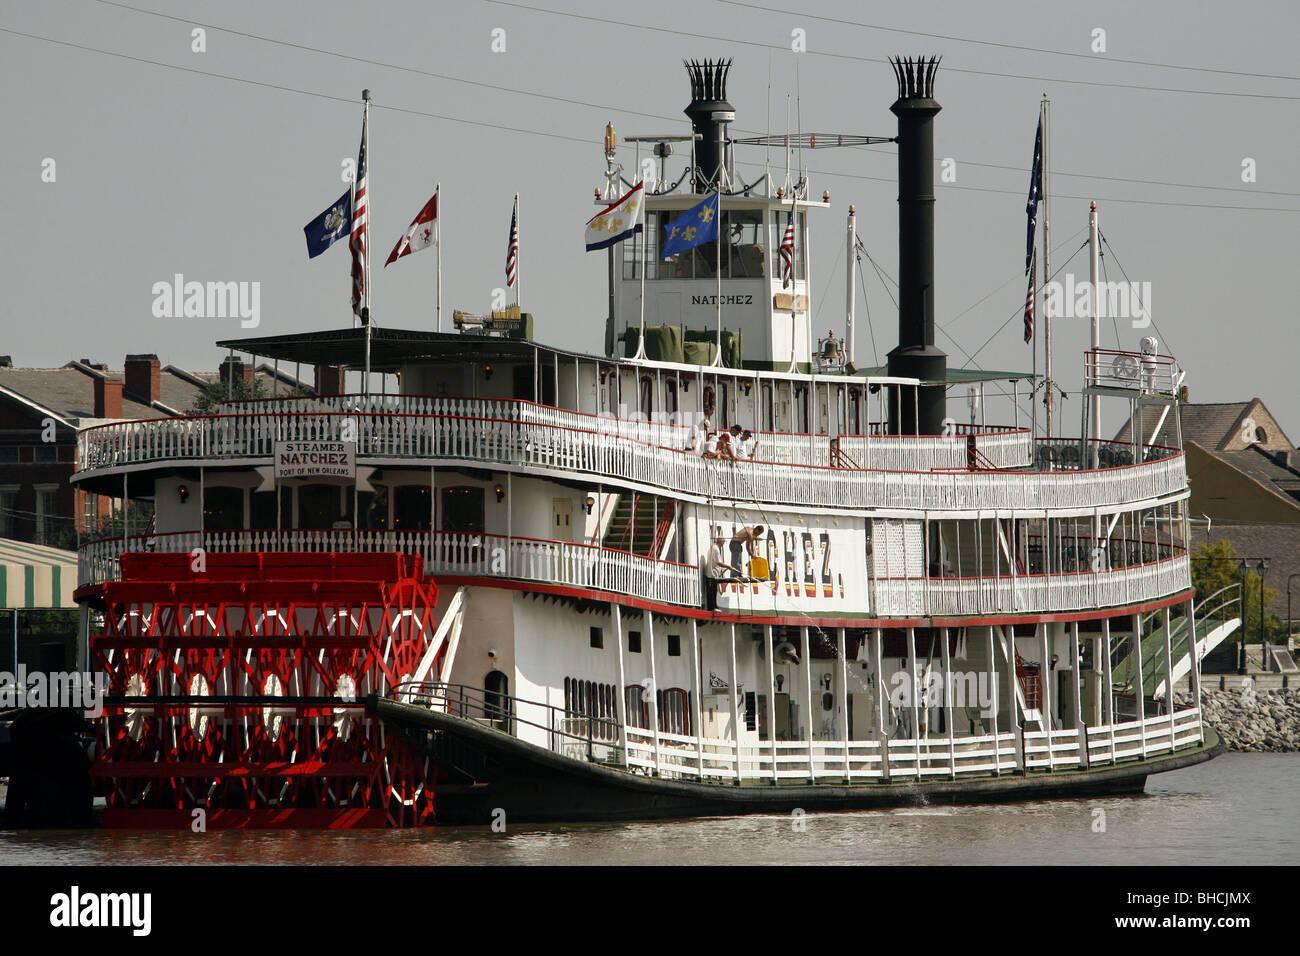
(492, 772)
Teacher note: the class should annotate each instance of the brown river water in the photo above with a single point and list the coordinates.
(1239, 809)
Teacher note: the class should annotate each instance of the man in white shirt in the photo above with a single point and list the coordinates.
(715, 563)
(748, 445)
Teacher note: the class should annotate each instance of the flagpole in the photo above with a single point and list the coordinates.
(437, 201)
(1047, 272)
(1033, 379)
(365, 252)
(519, 273)
(717, 358)
(645, 244)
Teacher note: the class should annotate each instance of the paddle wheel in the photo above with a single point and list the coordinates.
(237, 687)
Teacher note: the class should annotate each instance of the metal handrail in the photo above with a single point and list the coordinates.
(462, 700)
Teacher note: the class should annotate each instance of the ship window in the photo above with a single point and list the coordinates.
(769, 409)
(724, 408)
(778, 234)
(801, 409)
(462, 509)
(322, 506)
(597, 637)
(634, 703)
(674, 645)
(670, 396)
(647, 395)
(223, 508)
(634, 642)
(746, 253)
(411, 510)
(855, 412)
(674, 711)
(263, 508)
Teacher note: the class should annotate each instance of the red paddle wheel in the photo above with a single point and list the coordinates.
(237, 686)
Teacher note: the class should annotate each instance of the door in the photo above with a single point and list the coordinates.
(562, 519)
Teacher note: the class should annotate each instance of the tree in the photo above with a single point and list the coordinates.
(210, 399)
(1216, 566)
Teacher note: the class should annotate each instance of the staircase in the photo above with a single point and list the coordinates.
(635, 526)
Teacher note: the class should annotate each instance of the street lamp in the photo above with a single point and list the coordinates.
(1290, 644)
(1263, 566)
(1241, 653)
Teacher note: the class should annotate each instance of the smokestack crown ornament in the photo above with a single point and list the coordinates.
(916, 355)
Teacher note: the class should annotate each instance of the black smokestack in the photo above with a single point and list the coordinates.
(709, 113)
(916, 355)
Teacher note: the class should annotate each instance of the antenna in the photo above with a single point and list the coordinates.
(798, 109)
(767, 162)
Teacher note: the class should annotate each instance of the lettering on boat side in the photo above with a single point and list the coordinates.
(300, 459)
(726, 299)
(76, 909)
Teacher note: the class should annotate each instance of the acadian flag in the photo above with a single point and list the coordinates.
(617, 222)
(696, 226)
(422, 233)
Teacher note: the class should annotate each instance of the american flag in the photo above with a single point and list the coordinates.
(1029, 298)
(787, 252)
(359, 220)
(512, 251)
(1035, 192)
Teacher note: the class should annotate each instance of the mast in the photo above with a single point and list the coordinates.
(1047, 274)
(1094, 400)
(437, 192)
(848, 289)
(365, 249)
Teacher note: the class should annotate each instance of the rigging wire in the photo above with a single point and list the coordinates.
(868, 59)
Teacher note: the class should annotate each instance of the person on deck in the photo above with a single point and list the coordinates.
(744, 545)
(715, 563)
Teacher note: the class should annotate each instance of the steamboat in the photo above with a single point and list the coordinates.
(507, 587)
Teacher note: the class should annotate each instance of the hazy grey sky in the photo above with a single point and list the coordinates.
(161, 171)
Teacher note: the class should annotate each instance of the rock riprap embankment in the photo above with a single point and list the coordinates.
(1250, 720)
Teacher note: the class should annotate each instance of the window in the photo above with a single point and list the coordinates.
(675, 711)
(462, 509)
(634, 642)
(262, 506)
(636, 706)
(584, 698)
(223, 509)
(47, 513)
(412, 507)
(743, 251)
(674, 645)
(647, 395)
(769, 409)
(1261, 435)
(778, 233)
(8, 509)
(855, 412)
(671, 394)
(597, 637)
(48, 453)
(9, 455)
(320, 506)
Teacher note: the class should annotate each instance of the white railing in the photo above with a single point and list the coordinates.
(1032, 592)
(913, 759)
(510, 433)
(444, 552)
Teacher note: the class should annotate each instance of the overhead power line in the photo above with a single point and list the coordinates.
(871, 59)
(620, 110)
(1096, 57)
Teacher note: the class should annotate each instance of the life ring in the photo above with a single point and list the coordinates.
(708, 401)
